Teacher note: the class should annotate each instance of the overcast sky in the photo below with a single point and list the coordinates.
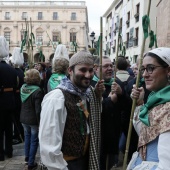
(96, 8)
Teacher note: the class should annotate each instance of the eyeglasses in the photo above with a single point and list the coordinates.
(107, 66)
(149, 68)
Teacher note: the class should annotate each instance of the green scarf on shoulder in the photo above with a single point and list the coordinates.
(154, 99)
(55, 80)
(27, 90)
(95, 78)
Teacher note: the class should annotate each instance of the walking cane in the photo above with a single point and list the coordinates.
(15, 124)
(134, 100)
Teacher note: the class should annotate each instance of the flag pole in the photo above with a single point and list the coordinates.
(101, 45)
(134, 100)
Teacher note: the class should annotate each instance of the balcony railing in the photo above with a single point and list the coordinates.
(135, 39)
(73, 18)
(136, 17)
(7, 17)
(24, 17)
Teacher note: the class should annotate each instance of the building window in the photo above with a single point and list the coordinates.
(73, 16)
(72, 37)
(40, 15)
(55, 15)
(39, 37)
(137, 12)
(7, 36)
(136, 36)
(120, 26)
(56, 36)
(128, 19)
(24, 15)
(7, 15)
(127, 40)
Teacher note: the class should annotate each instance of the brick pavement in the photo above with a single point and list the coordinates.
(17, 161)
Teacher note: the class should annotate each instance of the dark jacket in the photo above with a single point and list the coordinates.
(110, 120)
(20, 75)
(8, 79)
(31, 108)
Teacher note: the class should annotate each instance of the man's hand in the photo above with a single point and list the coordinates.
(115, 88)
(113, 97)
(99, 88)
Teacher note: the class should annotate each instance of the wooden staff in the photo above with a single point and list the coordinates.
(50, 39)
(32, 58)
(134, 100)
(101, 43)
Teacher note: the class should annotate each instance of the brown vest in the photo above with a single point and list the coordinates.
(75, 130)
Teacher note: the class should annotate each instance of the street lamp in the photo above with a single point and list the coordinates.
(92, 37)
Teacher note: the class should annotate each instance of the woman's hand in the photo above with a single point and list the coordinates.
(138, 93)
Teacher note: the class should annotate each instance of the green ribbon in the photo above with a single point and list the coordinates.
(95, 78)
(23, 41)
(145, 24)
(154, 99)
(151, 35)
(75, 46)
(30, 40)
(155, 39)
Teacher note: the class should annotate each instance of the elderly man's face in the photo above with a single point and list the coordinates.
(107, 69)
(81, 75)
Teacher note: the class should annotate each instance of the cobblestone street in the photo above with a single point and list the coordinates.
(17, 161)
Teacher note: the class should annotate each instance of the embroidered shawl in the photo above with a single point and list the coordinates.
(159, 118)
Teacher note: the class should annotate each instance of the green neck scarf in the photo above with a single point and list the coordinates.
(95, 78)
(154, 99)
(27, 90)
(55, 80)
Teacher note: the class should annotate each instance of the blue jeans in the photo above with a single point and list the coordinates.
(31, 142)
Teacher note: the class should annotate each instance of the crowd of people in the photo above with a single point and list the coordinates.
(79, 121)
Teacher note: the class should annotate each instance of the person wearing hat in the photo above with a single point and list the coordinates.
(17, 60)
(151, 119)
(60, 64)
(69, 130)
(8, 85)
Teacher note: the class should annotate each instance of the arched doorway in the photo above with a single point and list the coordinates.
(51, 57)
(25, 65)
(37, 58)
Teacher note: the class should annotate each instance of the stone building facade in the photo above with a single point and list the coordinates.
(52, 22)
(163, 23)
(125, 16)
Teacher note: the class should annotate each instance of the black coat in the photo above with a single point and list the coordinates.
(8, 79)
(20, 82)
(110, 121)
